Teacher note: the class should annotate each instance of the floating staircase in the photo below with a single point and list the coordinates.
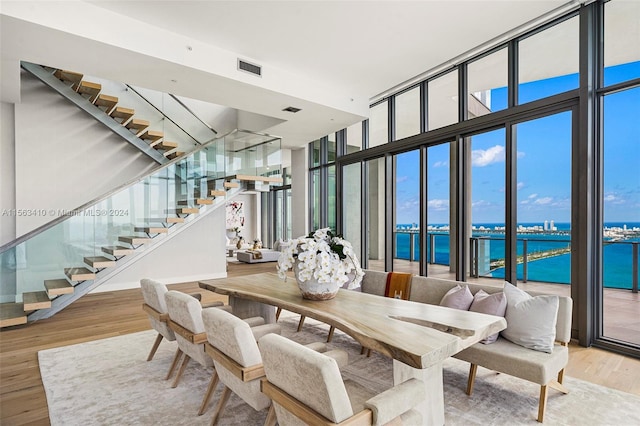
(38, 304)
(109, 106)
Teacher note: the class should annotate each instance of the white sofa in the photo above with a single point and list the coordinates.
(267, 256)
(544, 369)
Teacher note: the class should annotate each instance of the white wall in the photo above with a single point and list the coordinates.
(198, 253)
(64, 158)
(252, 224)
(7, 173)
(299, 192)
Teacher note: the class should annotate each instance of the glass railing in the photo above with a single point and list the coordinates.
(177, 119)
(74, 235)
(164, 112)
(254, 154)
(539, 259)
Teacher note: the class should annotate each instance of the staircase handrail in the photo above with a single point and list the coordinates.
(129, 87)
(108, 194)
(193, 113)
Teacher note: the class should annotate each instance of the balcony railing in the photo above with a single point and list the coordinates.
(539, 259)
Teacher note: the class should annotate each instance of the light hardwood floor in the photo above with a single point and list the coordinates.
(102, 315)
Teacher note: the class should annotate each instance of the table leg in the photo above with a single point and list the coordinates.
(243, 308)
(432, 409)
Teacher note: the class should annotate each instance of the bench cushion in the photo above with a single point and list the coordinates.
(506, 357)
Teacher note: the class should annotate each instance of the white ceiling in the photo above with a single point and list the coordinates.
(327, 57)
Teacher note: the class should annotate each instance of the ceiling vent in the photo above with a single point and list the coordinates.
(250, 68)
(292, 109)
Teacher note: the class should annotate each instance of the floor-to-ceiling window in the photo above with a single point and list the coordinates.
(407, 212)
(617, 286)
(542, 129)
(485, 184)
(376, 202)
(544, 200)
(439, 191)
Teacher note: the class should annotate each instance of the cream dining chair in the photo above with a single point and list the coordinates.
(153, 293)
(306, 388)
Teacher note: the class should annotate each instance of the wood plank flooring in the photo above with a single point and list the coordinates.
(102, 315)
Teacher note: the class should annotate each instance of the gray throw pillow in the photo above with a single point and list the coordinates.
(458, 298)
(492, 304)
(531, 321)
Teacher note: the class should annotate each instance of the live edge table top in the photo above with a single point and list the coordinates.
(417, 334)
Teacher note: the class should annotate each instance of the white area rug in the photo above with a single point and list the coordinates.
(108, 382)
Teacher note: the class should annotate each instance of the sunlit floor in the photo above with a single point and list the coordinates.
(621, 310)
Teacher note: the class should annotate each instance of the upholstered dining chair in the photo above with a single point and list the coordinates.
(306, 388)
(155, 306)
(238, 365)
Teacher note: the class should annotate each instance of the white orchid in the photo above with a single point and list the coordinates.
(323, 256)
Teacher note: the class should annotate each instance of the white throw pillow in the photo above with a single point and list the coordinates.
(458, 298)
(492, 304)
(531, 321)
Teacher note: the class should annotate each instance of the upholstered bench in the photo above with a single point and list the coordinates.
(544, 369)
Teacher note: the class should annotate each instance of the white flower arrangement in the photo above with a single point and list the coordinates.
(323, 256)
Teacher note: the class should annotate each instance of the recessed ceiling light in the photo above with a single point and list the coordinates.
(292, 109)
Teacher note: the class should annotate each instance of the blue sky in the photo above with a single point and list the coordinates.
(543, 165)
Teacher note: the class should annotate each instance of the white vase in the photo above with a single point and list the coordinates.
(314, 290)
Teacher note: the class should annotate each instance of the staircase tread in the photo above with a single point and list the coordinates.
(34, 300)
(199, 201)
(218, 193)
(165, 145)
(152, 135)
(189, 210)
(12, 314)
(134, 239)
(106, 101)
(58, 287)
(79, 274)
(137, 124)
(70, 76)
(231, 185)
(266, 179)
(173, 155)
(152, 229)
(99, 262)
(117, 250)
(122, 112)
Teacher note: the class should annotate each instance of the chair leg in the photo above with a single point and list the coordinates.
(561, 376)
(472, 378)
(176, 359)
(330, 336)
(278, 312)
(271, 416)
(226, 392)
(208, 393)
(301, 323)
(543, 403)
(187, 358)
(368, 353)
(154, 348)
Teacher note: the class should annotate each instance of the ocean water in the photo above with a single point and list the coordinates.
(617, 257)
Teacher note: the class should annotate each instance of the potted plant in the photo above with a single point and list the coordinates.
(322, 263)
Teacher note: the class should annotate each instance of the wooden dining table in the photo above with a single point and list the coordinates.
(418, 336)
